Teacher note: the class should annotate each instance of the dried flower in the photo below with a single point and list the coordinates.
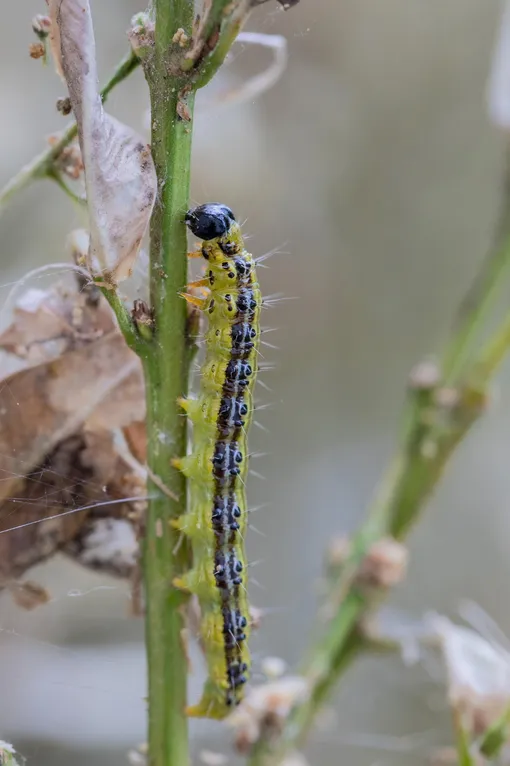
(478, 675)
(273, 667)
(64, 106)
(181, 38)
(265, 709)
(424, 376)
(37, 50)
(41, 25)
(384, 564)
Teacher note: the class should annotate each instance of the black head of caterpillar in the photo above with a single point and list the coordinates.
(209, 221)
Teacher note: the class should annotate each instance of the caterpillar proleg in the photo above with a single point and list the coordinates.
(217, 467)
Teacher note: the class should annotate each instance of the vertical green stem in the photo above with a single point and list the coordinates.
(166, 373)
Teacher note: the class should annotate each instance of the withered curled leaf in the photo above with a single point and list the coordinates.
(120, 178)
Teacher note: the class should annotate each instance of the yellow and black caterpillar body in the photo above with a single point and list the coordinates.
(217, 467)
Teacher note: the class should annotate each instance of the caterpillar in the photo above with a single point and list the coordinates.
(217, 467)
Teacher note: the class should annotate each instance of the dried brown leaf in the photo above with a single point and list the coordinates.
(61, 462)
(43, 405)
(120, 178)
(58, 482)
(47, 323)
(61, 499)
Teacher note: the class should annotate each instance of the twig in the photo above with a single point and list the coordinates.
(57, 177)
(479, 301)
(219, 27)
(124, 320)
(43, 166)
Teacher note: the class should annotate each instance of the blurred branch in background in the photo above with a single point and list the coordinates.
(443, 403)
(479, 300)
(45, 164)
(437, 417)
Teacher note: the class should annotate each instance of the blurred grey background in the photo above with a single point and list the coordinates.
(373, 166)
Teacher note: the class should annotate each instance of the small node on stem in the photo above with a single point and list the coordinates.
(106, 280)
(181, 38)
(64, 105)
(69, 160)
(41, 26)
(424, 376)
(337, 554)
(447, 398)
(384, 565)
(37, 50)
(143, 318)
(141, 34)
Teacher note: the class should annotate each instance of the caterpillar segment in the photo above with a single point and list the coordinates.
(217, 467)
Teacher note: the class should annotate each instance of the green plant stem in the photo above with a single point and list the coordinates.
(464, 755)
(495, 737)
(57, 177)
(124, 320)
(166, 375)
(43, 166)
(480, 299)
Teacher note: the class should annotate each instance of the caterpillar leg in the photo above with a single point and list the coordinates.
(197, 581)
(198, 283)
(193, 407)
(195, 254)
(194, 466)
(200, 303)
(209, 707)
